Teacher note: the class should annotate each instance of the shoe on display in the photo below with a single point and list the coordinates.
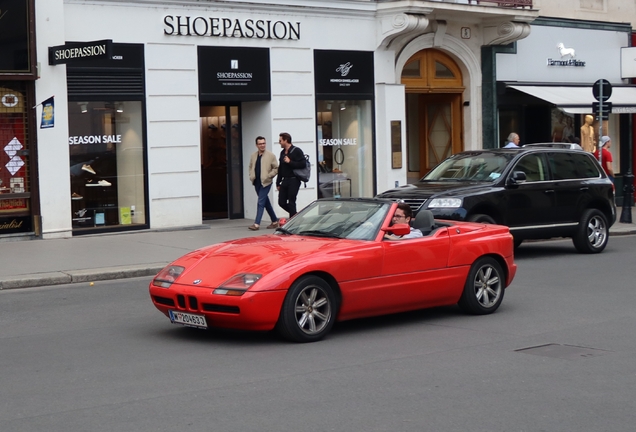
(253, 227)
(88, 168)
(273, 225)
(104, 183)
(76, 196)
(80, 213)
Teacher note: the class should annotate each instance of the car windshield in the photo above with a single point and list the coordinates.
(483, 167)
(354, 220)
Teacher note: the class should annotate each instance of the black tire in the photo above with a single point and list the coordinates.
(484, 288)
(592, 234)
(309, 310)
(481, 218)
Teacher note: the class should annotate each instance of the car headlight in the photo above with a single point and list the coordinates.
(237, 285)
(445, 203)
(167, 276)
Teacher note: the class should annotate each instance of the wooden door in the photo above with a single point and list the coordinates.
(433, 110)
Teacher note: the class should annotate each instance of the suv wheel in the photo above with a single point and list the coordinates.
(481, 218)
(592, 233)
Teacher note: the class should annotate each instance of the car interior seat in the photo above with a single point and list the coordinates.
(424, 221)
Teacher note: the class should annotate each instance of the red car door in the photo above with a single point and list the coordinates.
(413, 275)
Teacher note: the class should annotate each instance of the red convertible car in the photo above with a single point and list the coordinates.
(331, 262)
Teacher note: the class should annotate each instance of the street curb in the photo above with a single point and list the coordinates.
(131, 271)
(78, 276)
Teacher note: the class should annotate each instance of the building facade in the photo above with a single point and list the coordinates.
(543, 88)
(157, 104)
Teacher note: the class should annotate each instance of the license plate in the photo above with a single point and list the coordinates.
(188, 319)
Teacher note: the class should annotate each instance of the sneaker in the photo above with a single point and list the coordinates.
(273, 225)
(88, 168)
(80, 213)
(104, 183)
(253, 227)
(76, 196)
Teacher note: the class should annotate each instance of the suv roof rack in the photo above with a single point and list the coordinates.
(571, 146)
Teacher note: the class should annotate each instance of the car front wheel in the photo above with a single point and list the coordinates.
(593, 233)
(484, 288)
(481, 218)
(309, 310)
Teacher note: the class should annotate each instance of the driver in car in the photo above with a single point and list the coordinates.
(403, 214)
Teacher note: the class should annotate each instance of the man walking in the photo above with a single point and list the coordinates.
(287, 183)
(263, 168)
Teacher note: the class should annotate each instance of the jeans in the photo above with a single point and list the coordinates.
(287, 194)
(264, 204)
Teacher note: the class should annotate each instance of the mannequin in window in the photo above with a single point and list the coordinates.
(587, 134)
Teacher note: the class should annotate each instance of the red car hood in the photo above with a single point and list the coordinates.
(262, 255)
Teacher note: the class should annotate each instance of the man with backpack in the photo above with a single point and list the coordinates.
(287, 183)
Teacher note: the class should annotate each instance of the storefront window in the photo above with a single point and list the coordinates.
(106, 164)
(345, 148)
(14, 160)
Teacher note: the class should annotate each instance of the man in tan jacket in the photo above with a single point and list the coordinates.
(263, 168)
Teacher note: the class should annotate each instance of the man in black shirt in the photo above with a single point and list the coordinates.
(287, 183)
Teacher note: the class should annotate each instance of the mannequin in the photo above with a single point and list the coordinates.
(587, 134)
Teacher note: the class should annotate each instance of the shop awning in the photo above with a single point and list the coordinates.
(578, 99)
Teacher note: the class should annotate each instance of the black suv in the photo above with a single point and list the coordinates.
(538, 191)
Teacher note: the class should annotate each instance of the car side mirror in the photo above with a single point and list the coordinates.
(517, 177)
(398, 229)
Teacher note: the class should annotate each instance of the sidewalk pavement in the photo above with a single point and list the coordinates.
(90, 258)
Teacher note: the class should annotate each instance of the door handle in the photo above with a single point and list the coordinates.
(583, 189)
(549, 191)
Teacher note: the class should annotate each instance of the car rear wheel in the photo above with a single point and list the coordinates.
(484, 289)
(592, 234)
(309, 310)
(481, 218)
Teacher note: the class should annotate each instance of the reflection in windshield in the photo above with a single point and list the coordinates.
(354, 220)
(484, 167)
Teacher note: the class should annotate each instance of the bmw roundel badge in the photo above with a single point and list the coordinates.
(197, 282)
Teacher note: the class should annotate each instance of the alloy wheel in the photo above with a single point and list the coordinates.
(313, 310)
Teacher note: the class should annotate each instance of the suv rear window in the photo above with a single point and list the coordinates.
(565, 166)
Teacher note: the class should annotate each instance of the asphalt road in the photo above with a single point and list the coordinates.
(101, 358)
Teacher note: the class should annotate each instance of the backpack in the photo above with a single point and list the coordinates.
(303, 174)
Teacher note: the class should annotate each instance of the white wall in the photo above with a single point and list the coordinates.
(53, 150)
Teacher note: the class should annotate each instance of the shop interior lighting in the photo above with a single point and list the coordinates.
(342, 106)
(84, 107)
(120, 108)
(328, 106)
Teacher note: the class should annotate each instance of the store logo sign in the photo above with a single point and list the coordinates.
(176, 25)
(567, 57)
(234, 78)
(344, 70)
(80, 51)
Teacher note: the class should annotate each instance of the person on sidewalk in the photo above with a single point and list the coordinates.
(606, 159)
(291, 158)
(513, 141)
(263, 168)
